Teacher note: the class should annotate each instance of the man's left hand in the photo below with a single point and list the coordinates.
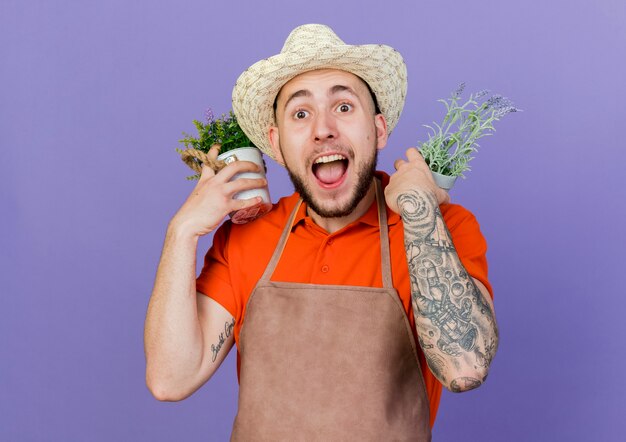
(412, 174)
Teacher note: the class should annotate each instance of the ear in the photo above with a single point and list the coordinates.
(381, 131)
(274, 138)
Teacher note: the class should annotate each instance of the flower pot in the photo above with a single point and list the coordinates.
(251, 213)
(444, 181)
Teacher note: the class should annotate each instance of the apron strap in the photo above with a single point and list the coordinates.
(384, 239)
(278, 251)
(384, 236)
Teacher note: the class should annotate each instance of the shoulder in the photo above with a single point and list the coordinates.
(456, 215)
(261, 230)
(245, 249)
(275, 218)
(464, 229)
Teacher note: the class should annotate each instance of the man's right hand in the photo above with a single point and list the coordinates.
(212, 198)
(183, 341)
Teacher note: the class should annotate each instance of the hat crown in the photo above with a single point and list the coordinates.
(309, 47)
(312, 35)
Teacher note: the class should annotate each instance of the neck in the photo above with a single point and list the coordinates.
(332, 225)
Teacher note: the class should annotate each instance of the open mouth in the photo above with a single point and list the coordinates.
(330, 170)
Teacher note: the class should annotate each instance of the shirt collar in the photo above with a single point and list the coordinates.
(370, 217)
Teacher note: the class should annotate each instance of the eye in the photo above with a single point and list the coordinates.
(344, 107)
(300, 114)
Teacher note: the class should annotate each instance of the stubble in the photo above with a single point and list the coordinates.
(365, 176)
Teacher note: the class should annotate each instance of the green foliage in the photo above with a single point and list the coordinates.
(225, 131)
(450, 146)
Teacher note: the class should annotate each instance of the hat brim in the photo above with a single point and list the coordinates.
(380, 66)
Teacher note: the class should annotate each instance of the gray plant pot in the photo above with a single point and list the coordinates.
(444, 181)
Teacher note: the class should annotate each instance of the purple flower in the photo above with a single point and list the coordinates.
(494, 101)
(208, 114)
(500, 106)
(498, 102)
(459, 90)
(499, 113)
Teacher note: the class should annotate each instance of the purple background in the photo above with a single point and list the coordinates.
(95, 95)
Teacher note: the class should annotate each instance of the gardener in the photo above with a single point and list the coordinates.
(327, 295)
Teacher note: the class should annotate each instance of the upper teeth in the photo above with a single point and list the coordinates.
(330, 158)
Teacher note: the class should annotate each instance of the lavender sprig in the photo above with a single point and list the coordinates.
(209, 116)
(449, 147)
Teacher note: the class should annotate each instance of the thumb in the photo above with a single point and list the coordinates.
(207, 172)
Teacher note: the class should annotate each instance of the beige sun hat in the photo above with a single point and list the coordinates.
(307, 48)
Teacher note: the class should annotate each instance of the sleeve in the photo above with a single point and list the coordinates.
(214, 279)
(469, 242)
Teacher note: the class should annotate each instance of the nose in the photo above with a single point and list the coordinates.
(325, 127)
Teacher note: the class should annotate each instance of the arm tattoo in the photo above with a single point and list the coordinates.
(464, 384)
(447, 304)
(228, 330)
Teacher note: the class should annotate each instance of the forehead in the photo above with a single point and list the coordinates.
(322, 80)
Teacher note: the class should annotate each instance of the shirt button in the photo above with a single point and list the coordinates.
(324, 269)
(329, 242)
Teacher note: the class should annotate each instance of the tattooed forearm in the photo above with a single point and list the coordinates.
(228, 330)
(437, 365)
(456, 324)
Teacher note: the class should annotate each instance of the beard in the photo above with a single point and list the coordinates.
(365, 176)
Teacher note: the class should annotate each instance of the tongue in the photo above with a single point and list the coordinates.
(329, 173)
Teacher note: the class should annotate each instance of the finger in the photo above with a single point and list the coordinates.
(398, 163)
(244, 204)
(232, 169)
(241, 184)
(206, 172)
(413, 154)
(214, 151)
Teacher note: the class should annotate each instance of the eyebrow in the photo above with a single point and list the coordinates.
(341, 88)
(333, 90)
(300, 93)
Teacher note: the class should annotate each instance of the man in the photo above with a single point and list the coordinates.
(326, 295)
